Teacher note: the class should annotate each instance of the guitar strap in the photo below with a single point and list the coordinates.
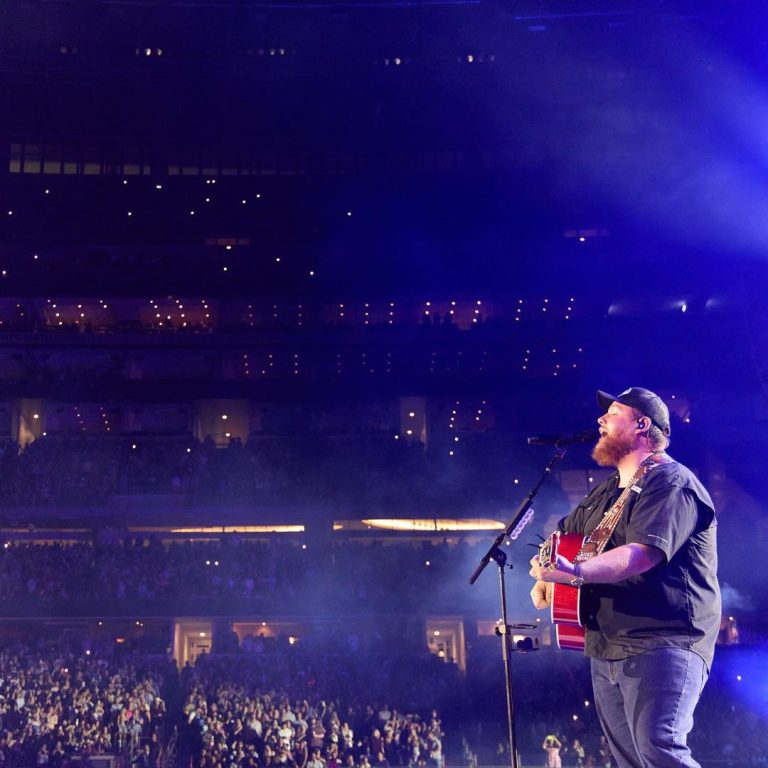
(594, 543)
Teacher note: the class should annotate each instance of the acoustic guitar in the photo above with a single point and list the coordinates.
(566, 608)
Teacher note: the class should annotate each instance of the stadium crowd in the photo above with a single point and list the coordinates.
(118, 576)
(289, 708)
(317, 708)
(55, 704)
(315, 711)
(374, 469)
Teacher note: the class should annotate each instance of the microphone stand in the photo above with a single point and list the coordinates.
(521, 517)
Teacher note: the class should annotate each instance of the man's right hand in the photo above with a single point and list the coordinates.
(541, 594)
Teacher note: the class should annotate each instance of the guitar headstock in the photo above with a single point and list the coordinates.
(548, 550)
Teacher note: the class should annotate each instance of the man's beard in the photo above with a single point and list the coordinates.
(609, 451)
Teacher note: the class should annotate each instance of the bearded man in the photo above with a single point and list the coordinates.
(651, 596)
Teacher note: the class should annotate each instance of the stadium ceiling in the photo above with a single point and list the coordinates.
(528, 9)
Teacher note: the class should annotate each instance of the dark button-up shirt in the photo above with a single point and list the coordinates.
(675, 603)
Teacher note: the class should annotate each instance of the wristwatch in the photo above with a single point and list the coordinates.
(578, 579)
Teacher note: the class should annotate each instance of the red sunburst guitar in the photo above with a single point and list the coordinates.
(566, 606)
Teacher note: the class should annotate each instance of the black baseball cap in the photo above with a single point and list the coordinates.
(643, 400)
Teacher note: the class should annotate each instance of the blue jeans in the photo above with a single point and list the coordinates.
(645, 704)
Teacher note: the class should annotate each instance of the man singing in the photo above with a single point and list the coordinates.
(650, 597)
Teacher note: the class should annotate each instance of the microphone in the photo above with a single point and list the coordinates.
(566, 438)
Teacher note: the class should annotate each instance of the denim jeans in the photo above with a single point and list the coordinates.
(645, 704)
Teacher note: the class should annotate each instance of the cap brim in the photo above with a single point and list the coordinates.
(604, 400)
